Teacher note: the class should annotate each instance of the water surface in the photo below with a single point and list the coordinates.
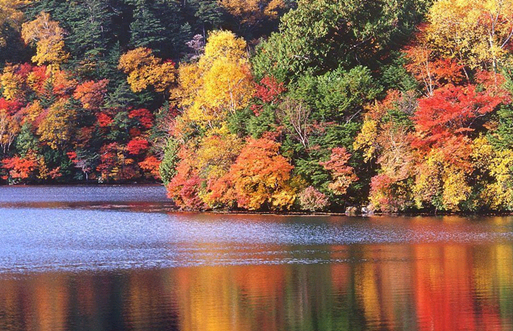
(110, 258)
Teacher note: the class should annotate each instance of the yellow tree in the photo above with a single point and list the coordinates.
(144, 70)
(496, 164)
(220, 83)
(388, 141)
(56, 128)
(442, 177)
(32, 111)
(216, 153)
(11, 14)
(251, 12)
(49, 39)
(11, 83)
(476, 32)
(9, 129)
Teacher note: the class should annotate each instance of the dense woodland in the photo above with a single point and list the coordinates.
(402, 105)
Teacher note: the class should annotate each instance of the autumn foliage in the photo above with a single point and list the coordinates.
(261, 176)
(145, 70)
(342, 174)
(293, 105)
(44, 114)
(49, 39)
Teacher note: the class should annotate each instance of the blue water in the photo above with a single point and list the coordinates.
(46, 239)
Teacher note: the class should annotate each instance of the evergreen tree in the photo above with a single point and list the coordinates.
(90, 22)
(146, 30)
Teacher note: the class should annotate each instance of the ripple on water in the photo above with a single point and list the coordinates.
(76, 240)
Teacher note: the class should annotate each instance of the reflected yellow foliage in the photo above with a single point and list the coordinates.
(438, 286)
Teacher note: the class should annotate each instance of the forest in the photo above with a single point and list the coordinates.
(266, 105)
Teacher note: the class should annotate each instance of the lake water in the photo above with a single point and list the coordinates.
(116, 258)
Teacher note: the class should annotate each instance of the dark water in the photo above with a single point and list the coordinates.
(110, 258)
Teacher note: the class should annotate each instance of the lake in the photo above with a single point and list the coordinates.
(117, 258)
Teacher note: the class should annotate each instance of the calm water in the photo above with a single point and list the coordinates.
(112, 258)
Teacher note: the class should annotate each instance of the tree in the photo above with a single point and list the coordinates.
(84, 161)
(220, 83)
(312, 200)
(151, 167)
(11, 14)
(20, 168)
(269, 89)
(297, 115)
(90, 23)
(342, 174)
(252, 12)
(497, 164)
(385, 137)
(208, 13)
(185, 185)
(321, 35)
(216, 153)
(337, 95)
(12, 82)
(144, 70)
(57, 126)
(261, 176)
(143, 116)
(115, 165)
(451, 111)
(442, 178)
(137, 146)
(167, 168)
(49, 38)
(146, 30)
(91, 93)
(427, 68)
(9, 129)
(477, 33)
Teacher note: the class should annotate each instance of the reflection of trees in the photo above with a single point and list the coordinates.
(458, 287)
(234, 298)
(443, 291)
(377, 287)
(378, 281)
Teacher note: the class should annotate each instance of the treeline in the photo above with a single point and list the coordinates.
(68, 113)
(265, 105)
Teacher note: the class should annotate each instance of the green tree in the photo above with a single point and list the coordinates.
(323, 34)
(146, 29)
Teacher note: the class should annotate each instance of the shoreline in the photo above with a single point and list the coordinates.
(269, 213)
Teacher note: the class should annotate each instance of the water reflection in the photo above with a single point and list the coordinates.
(386, 287)
(67, 264)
